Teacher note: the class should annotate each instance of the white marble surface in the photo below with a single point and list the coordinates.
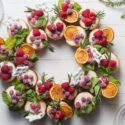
(62, 62)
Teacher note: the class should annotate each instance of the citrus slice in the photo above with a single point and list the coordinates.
(72, 18)
(1, 41)
(109, 33)
(110, 91)
(81, 56)
(70, 32)
(28, 49)
(67, 109)
(56, 92)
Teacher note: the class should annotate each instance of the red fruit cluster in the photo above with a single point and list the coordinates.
(68, 91)
(55, 27)
(37, 13)
(107, 63)
(5, 72)
(88, 17)
(36, 32)
(99, 36)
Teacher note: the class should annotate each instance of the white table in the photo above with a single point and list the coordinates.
(62, 62)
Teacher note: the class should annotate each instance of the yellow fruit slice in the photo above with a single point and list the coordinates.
(72, 18)
(56, 92)
(1, 41)
(28, 49)
(81, 56)
(70, 32)
(109, 33)
(110, 91)
(67, 109)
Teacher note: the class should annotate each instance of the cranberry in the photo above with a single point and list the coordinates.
(104, 62)
(65, 85)
(112, 64)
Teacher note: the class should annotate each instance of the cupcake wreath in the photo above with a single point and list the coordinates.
(38, 95)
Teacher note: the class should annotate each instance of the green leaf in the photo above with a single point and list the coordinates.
(31, 95)
(97, 90)
(60, 3)
(89, 108)
(77, 6)
(34, 57)
(94, 82)
(87, 67)
(41, 22)
(6, 98)
(84, 43)
(114, 80)
(26, 113)
(29, 9)
(100, 14)
(43, 77)
(10, 42)
(102, 71)
(78, 112)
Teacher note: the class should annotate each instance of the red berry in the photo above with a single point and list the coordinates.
(65, 85)
(104, 62)
(92, 16)
(48, 85)
(71, 90)
(98, 34)
(39, 12)
(104, 41)
(85, 13)
(36, 32)
(6, 76)
(19, 60)
(41, 88)
(87, 21)
(19, 52)
(63, 15)
(77, 105)
(5, 69)
(59, 115)
(51, 28)
(59, 26)
(112, 63)
(64, 7)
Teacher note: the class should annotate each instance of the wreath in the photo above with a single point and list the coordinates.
(38, 96)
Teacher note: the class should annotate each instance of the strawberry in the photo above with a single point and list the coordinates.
(77, 105)
(86, 13)
(65, 85)
(63, 15)
(59, 115)
(87, 21)
(39, 12)
(6, 76)
(51, 28)
(92, 15)
(5, 69)
(112, 64)
(98, 34)
(59, 26)
(41, 88)
(48, 85)
(104, 62)
(19, 52)
(64, 7)
(19, 60)
(71, 90)
(104, 41)
(36, 32)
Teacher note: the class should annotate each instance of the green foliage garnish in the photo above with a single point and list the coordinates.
(77, 6)
(59, 4)
(87, 67)
(100, 14)
(6, 98)
(89, 108)
(101, 49)
(114, 80)
(84, 43)
(34, 57)
(29, 9)
(31, 95)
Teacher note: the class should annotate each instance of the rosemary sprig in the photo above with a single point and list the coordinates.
(84, 43)
(100, 14)
(51, 48)
(29, 10)
(56, 10)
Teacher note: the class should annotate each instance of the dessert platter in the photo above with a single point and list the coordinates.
(39, 96)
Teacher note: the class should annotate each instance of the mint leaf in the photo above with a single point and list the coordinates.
(84, 43)
(59, 4)
(89, 108)
(78, 112)
(10, 43)
(77, 6)
(114, 80)
(31, 95)
(94, 82)
(87, 67)
(34, 57)
(6, 98)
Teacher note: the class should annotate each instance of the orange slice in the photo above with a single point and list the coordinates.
(72, 18)
(67, 109)
(81, 56)
(56, 92)
(109, 33)
(1, 41)
(70, 32)
(28, 49)
(110, 91)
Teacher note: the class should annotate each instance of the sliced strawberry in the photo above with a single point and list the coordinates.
(104, 62)
(39, 12)
(98, 34)
(64, 7)
(36, 32)
(59, 26)
(112, 64)
(19, 52)
(63, 15)
(6, 76)
(5, 69)
(86, 13)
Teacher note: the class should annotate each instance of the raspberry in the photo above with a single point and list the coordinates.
(65, 85)
(48, 85)
(104, 62)
(6, 76)
(64, 7)
(39, 12)
(98, 34)
(19, 60)
(5, 69)
(59, 26)
(51, 28)
(41, 88)
(71, 90)
(87, 21)
(19, 52)
(92, 16)
(59, 115)
(112, 63)
(36, 32)
(77, 105)
(85, 13)
(63, 15)
(104, 41)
